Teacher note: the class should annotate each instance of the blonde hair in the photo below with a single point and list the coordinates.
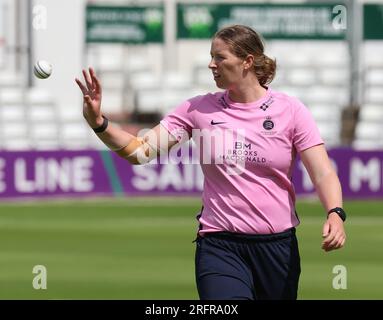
(244, 41)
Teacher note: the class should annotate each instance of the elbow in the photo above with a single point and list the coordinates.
(133, 160)
(134, 157)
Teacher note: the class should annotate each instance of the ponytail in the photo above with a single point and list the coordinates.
(265, 69)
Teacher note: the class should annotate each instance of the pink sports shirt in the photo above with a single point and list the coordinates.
(247, 153)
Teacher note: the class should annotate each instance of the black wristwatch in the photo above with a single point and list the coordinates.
(103, 127)
(341, 213)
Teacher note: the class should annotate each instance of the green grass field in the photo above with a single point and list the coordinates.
(142, 249)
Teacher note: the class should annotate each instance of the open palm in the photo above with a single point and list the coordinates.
(92, 97)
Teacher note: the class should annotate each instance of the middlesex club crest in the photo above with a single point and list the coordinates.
(268, 124)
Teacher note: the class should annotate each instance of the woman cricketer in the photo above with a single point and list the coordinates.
(246, 247)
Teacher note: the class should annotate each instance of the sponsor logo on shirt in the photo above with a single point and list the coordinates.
(213, 123)
(223, 102)
(264, 106)
(243, 152)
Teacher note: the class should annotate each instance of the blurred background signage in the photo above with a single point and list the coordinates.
(273, 21)
(127, 24)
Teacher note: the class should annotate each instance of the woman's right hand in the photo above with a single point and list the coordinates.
(92, 98)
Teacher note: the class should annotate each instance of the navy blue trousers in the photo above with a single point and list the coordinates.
(250, 267)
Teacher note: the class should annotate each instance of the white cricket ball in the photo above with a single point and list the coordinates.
(42, 69)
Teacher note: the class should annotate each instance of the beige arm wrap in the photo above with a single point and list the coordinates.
(138, 151)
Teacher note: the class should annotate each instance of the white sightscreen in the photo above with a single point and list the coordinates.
(2, 30)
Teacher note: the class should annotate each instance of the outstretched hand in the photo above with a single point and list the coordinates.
(334, 236)
(92, 98)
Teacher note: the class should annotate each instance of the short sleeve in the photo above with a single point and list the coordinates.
(179, 122)
(305, 133)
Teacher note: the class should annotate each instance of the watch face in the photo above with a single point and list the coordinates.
(341, 213)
